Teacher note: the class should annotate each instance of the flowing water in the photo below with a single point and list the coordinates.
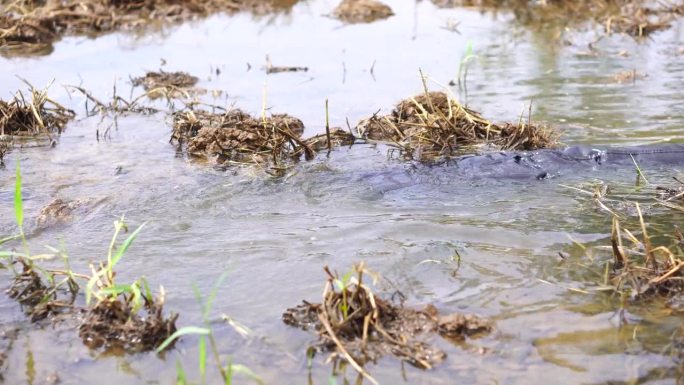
(274, 236)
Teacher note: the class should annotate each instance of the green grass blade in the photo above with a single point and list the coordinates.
(203, 359)
(181, 378)
(124, 246)
(18, 200)
(182, 332)
(5, 240)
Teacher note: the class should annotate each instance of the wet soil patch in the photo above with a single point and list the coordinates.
(361, 11)
(356, 325)
(32, 27)
(433, 126)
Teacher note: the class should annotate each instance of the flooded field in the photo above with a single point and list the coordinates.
(529, 253)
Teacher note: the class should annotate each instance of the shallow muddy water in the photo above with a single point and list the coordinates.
(274, 236)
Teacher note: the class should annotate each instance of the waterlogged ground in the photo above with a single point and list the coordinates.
(274, 236)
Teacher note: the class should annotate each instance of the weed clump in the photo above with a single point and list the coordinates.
(359, 327)
(361, 11)
(234, 137)
(120, 324)
(433, 126)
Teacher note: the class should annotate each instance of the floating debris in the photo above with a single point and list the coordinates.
(433, 126)
(271, 69)
(39, 116)
(234, 137)
(167, 84)
(357, 326)
(361, 11)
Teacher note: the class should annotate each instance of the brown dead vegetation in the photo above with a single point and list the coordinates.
(361, 11)
(235, 137)
(39, 297)
(167, 84)
(636, 18)
(433, 126)
(28, 26)
(359, 327)
(38, 116)
(645, 269)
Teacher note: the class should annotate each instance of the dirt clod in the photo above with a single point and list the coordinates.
(361, 11)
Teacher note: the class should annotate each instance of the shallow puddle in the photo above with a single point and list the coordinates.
(485, 246)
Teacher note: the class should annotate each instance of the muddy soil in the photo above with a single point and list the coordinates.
(361, 11)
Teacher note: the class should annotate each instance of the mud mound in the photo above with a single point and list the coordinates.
(338, 137)
(166, 84)
(28, 26)
(360, 327)
(432, 126)
(361, 11)
(235, 137)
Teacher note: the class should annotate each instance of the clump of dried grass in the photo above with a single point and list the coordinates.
(433, 126)
(235, 137)
(359, 327)
(117, 323)
(644, 269)
(38, 116)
